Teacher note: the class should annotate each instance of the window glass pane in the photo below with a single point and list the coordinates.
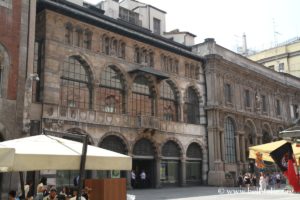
(230, 154)
(169, 171)
(192, 112)
(193, 171)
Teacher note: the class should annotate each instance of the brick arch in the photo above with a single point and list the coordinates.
(79, 131)
(176, 141)
(119, 135)
(154, 144)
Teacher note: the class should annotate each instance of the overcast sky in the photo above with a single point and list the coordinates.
(264, 22)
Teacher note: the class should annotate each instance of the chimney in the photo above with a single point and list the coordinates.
(245, 50)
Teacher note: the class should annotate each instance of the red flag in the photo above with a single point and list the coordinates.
(292, 176)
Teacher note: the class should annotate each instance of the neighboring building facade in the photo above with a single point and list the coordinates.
(282, 58)
(16, 18)
(130, 90)
(247, 104)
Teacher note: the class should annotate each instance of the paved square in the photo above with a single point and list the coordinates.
(195, 193)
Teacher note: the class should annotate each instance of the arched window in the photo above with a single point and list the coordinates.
(168, 101)
(249, 137)
(171, 149)
(114, 143)
(142, 97)
(76, 86)
(192, 112)
(4, 64)
(143, 147)
(111, 92)
(114, 47)
(230, 154)
(194, 151)
(78, 36)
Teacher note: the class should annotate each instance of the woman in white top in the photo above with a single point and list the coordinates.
(262, 182)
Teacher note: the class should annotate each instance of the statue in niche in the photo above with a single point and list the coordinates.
(257, 101)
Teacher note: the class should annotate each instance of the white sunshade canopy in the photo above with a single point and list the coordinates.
(45, 152)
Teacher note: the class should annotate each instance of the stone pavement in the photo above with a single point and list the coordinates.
(203, 192)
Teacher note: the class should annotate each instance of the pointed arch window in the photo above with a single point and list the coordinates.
(76, 86)
(142, 98)
(229, 139)
(192, 112)
(114, 47)
(137, 55)
(151, 59)
(168, 102)
(78, 37)
(111, 92)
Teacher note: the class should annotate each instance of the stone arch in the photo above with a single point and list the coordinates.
(5, 62)
(232, 118)
(267, 135)
(119, 137)
(175, 88)
(176, 141)
(151, 80)
(79, 131)
(194, 150)
(250, 131)
(200, 98)
(153, 143)
(124, 75)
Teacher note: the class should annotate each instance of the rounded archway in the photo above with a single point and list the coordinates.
(144, 161)
(194, 156)
(170, 164)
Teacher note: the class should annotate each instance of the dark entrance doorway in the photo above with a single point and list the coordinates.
(147, 165)
(143, 160)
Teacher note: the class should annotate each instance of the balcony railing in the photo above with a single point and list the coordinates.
(61, 114)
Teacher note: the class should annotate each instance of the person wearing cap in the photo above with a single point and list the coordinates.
(52, 194)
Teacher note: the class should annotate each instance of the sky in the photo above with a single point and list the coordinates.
(264, 22)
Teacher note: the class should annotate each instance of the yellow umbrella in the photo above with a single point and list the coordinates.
(266, 149)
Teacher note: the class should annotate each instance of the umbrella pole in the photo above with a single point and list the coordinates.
(22, 185)
(82, 166)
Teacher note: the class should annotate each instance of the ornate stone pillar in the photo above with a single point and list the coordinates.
(182, 172)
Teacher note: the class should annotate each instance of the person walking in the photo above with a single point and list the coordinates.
(133, 179)
(143, 177)
(240, 181)
(262, 182)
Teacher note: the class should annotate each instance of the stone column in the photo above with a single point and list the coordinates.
(237, 147)
(128, 180)
(182, 177)
(157, 172)
(243, 148)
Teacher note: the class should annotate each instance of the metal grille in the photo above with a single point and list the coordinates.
(142, 99)
(143, 148)
(192, 112)
(171, 149)
(230, 154)
(194, 151)
(111, 92)
(113, 143)
(168, 103)
(76, 88)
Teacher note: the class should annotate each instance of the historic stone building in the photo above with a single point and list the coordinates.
(15, 59)
(130, 90)
(247, 104)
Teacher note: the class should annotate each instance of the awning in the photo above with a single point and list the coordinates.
(150, 70)
(44, 152)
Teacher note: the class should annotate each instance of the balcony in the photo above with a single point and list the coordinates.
(54, 117)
